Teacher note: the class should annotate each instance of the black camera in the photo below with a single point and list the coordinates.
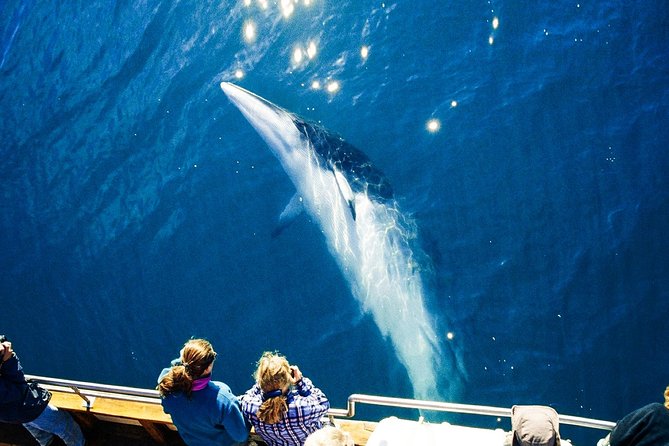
(3, 338)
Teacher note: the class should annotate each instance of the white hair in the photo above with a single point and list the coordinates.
(329, 436)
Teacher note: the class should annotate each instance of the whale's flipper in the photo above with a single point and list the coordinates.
(345, 190)
(290, 212)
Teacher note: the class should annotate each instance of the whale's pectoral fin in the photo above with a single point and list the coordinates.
(290, 212)
(345, 190)
(351, 207)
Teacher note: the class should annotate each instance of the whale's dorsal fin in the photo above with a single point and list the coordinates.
(289, 213)
(345, 190)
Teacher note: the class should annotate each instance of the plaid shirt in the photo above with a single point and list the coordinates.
(306, 406)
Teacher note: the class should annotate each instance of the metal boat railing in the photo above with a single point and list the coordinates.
(149, 396)
(93, 390)
(455, 408)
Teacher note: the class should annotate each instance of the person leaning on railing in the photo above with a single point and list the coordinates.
(283, 406)
(28, 404)
(205, 412)
(646, 426)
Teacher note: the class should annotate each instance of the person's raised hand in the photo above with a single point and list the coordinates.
(296, 374)
(6, 350)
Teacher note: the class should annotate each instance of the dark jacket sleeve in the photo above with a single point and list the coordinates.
(11, 380)
(647, 426)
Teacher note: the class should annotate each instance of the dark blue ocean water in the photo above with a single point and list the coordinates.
(137, 204)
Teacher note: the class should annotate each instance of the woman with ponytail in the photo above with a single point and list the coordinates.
(205, 412)
(283, 406)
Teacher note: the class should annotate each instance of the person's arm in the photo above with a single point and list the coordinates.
(11, 380)
(10, 367)
(312, 404)
(250, 403)
(231, 416)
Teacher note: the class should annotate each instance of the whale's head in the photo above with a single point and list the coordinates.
(293, 139)
(274, 124)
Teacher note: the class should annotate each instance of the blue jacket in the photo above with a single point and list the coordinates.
(211, 416)
(17, 405)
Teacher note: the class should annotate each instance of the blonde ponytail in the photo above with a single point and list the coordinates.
(666, 397)
(273, 410)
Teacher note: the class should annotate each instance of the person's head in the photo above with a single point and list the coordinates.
(329, 436)
(274, 378)
(666, 397)
(535, 425)
(196, 359)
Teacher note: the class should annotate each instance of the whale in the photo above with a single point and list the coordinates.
(372, 241)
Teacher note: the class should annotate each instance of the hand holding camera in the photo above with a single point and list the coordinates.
(6, 351)
(295, 373)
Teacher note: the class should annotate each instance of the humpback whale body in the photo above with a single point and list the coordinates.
(365, 231)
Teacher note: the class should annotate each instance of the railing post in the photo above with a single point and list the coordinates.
(88, 402)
